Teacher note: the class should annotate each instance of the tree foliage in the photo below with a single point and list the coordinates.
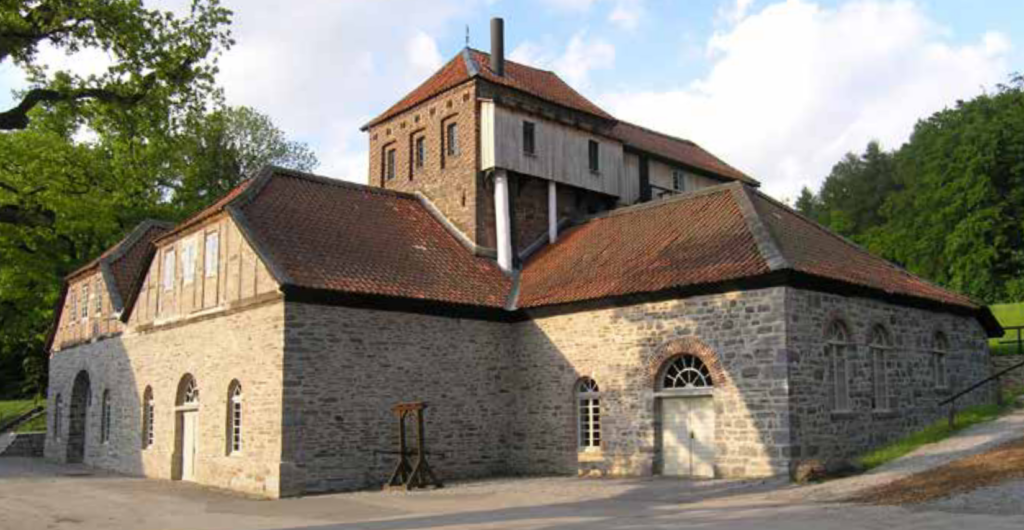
(949, 204)
(78, 172)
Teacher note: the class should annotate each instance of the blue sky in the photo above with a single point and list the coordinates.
(780, 89)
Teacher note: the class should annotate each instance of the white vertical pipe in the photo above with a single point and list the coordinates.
(503, 222)
(552, 211)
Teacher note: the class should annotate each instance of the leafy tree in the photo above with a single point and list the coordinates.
(851, 198)
(159, 60)
(224, 147)
(959, 219)
(807, 203)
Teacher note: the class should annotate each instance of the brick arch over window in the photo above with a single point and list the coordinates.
(685, 346)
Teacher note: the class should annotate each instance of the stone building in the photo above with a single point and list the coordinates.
(568, 293)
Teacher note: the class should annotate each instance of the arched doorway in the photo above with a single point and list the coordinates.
(685, 388)
(187, 424)
(78, 417)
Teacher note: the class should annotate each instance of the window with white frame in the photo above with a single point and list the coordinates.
(211, 259)
(148, 413)
(105, 417)
(235, 418)
(58, 409)
(678, 180)
(85, 301)
(588, 401)
(837, 350)
(170, 263)
(940, 348)
(686, 371)
(188, 260)
(97, 297)
(879, 347)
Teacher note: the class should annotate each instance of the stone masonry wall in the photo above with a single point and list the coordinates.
(450, 182)
(1014, 380)
(623, 349)
(828, 436)
(245, 345)
(344, 370)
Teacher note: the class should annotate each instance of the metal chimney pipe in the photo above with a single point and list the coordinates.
(498, 46)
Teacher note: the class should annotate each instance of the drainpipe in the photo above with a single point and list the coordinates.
(503, 220)
(552, 211)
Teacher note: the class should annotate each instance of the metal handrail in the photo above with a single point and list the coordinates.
(999, 391)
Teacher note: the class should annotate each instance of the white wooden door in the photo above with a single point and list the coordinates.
(688, 436)
(188, 445)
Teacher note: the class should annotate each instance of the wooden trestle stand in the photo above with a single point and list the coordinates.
(408, 476)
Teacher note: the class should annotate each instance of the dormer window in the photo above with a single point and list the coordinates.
(529, 138)
(593, 155)
(452, 139)
(389, 164)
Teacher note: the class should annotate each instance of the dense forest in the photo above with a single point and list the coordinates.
(84, 158)
(948, 204)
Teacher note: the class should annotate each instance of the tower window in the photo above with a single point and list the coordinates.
(389, 164)
(529, 138)
(452, 139)
(593, 156)
(421, 152)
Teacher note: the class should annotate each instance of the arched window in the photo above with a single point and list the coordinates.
(588, 400)
(189, 395)
(837, 349)
(686, 371)
(105, 417)
(234, 418)
(880, 345)
(148, 413)
(58, 409)
(940, 348)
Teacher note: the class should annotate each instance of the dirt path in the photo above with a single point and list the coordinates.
(1002, 464)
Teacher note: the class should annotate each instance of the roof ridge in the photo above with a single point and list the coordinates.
(767, 246)
(330, 181)
(679, 197)
(659, 133)
(507, 60)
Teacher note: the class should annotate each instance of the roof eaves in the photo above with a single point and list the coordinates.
(766, 244)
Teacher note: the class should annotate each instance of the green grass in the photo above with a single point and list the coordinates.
(13, 408)
(937, 432)
(1007, 315)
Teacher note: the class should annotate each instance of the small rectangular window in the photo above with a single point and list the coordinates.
(169, 272)
(98, 296)
(421, 152)
(211, 260)
(678, 180)
(85, 301)
(593, 156)
(389, 164)
(188, 260)
(452, 138)
(529, 138)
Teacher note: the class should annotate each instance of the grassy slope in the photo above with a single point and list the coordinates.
(10, 409)
(937, 432)
(1007, 315)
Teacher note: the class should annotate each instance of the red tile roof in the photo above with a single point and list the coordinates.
(677, 150)
(708, 237)
(471, 63)
(329, 235)
(127, 260)
(812, 249)
(676, 242)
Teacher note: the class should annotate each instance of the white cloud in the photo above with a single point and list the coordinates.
(795, 86)
(422, 54)
(627, 14)
(733, 11)
(574, 64)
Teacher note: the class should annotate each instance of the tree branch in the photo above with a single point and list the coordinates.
(17, 117)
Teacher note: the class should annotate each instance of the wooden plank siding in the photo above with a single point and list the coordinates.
(240, 276)
(560, 155)
(73, 328)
